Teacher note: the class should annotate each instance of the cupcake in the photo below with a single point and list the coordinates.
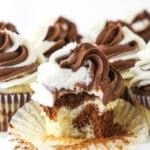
(120, 46)
(8, 26)
(18, 65)
(140, 83)
(140, 22)
(53, 35)
(75, 97)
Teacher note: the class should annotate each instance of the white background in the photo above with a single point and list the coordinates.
(28, 14)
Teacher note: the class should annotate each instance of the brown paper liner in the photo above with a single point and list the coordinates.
(143, 104)
(9, 104)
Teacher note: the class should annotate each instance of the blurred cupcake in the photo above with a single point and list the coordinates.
(140, 84)
(76, 105)
(120, 45)
(18, 65)
(140, 22)
(53, 35)
(9, 26)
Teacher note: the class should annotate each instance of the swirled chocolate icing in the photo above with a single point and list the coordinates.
(102, 75)
(145, 32)
(10, 59)
(62, 32)
(109, 42)
(8, 26)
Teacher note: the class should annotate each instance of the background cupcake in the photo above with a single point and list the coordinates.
(54, 35)
(18, 65)
(120, 45)
(140, 84)
(140, 23)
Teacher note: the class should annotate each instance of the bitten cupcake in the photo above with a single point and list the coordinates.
(120, 45)
(53, 35)
(76, 105)
(140, 84)
(18, 65)
(140, 23)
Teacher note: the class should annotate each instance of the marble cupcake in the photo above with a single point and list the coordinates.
(140, 23)
(18, 65)
(120, 45)
(53, 35)
(75, 97)
(140, 84)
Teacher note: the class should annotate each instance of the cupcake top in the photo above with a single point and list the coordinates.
(18, 61)
(8, 26)
(140, 83)
(77, 68)
(140, 22)
(120, 45)
(54, 35)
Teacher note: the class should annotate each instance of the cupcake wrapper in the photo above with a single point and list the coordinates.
(140, 99)
(9, 104)
(28, 126)
(143, 104)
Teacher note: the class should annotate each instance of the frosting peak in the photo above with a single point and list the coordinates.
(117, 42)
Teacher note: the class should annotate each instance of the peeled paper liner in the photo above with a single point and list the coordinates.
(27, 130)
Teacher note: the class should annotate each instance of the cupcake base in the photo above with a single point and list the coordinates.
(22, 127)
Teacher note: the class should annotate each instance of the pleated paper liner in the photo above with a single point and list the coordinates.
(27, 126)
(143, 104)
(9, 104)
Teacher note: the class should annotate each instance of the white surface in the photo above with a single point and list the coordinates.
(6, 145)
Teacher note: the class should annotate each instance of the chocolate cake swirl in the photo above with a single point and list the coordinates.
(62, 32)
(109, 41)
(139, 18)
(10, 59)
(8, 26)
(102, 75)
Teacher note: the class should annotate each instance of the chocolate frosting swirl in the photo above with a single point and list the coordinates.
(103, 76)
(145, 33)
(62, 32)
(8, 59)
(108, 41)
(8, 26)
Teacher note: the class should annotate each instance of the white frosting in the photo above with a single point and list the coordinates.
(141, 25)
(138, 25)
(51, 77)
(18, 40)
(140, 71)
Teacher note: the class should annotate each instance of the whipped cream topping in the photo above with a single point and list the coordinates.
(54, 35)
(142, 69)
(17, 60)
